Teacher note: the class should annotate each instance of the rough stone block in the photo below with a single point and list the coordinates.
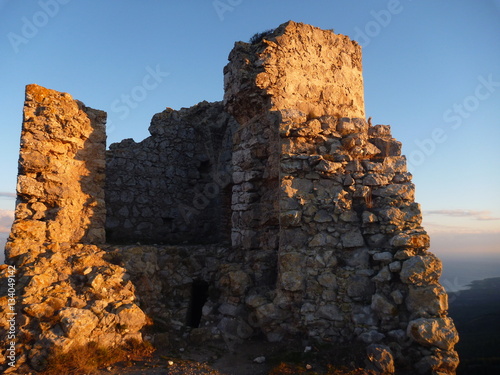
(387, 147)
(421, 270)
(438, 332)
(353, 238)
(429, 300)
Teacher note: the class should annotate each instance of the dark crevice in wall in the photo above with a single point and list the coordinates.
(199, 296)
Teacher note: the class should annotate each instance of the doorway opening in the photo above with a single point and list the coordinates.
(199, 296)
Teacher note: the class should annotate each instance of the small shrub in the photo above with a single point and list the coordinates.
(257, 38)
(89, 358)
(287, 369)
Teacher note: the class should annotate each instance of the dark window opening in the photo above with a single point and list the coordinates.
(205, 167)
(199, 296)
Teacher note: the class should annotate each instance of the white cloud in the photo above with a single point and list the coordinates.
(476, 215)
(472, 245)
(6, 219)
(434, 227)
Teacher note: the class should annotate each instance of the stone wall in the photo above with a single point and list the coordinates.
(61, 173)
(353, 260)
(323, 206)
(59, 291)
(297, 67)
(175, 185)
(297, 70)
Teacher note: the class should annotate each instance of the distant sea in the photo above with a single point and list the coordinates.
(458, 273)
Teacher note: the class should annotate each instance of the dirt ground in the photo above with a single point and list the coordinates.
(215, 359)
(246, 358)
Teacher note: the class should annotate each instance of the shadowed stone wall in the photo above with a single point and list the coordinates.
(175, 185)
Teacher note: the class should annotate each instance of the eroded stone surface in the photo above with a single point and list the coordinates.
(439, 332)
(66, 294)
(70, 297)
(61, 173)
(381, 359)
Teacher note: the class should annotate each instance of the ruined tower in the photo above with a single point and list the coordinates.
(279, 211)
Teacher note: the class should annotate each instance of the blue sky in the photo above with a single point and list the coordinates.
(431, 71)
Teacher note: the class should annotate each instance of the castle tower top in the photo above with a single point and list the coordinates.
(299, 67)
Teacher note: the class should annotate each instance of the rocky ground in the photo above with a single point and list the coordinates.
(213, 360)
(248, 358)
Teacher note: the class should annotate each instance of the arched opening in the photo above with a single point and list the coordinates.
(199, 296)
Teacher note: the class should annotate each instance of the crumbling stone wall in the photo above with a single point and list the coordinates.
(352, 249)
(61, 173)
(181, 286)
(174, 186)
(297, 67)
(298, 70)
(59, 290)
(326, 200)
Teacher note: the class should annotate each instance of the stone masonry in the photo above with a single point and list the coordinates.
(279, 212)
(175, 185)
(61, 173)
(59, 291)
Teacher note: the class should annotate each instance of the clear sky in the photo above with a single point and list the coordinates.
(431, 71)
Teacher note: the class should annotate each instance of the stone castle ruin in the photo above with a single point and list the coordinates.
(278, 212)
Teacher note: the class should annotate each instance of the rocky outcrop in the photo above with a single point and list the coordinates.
(279, 211)
(66, 298)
